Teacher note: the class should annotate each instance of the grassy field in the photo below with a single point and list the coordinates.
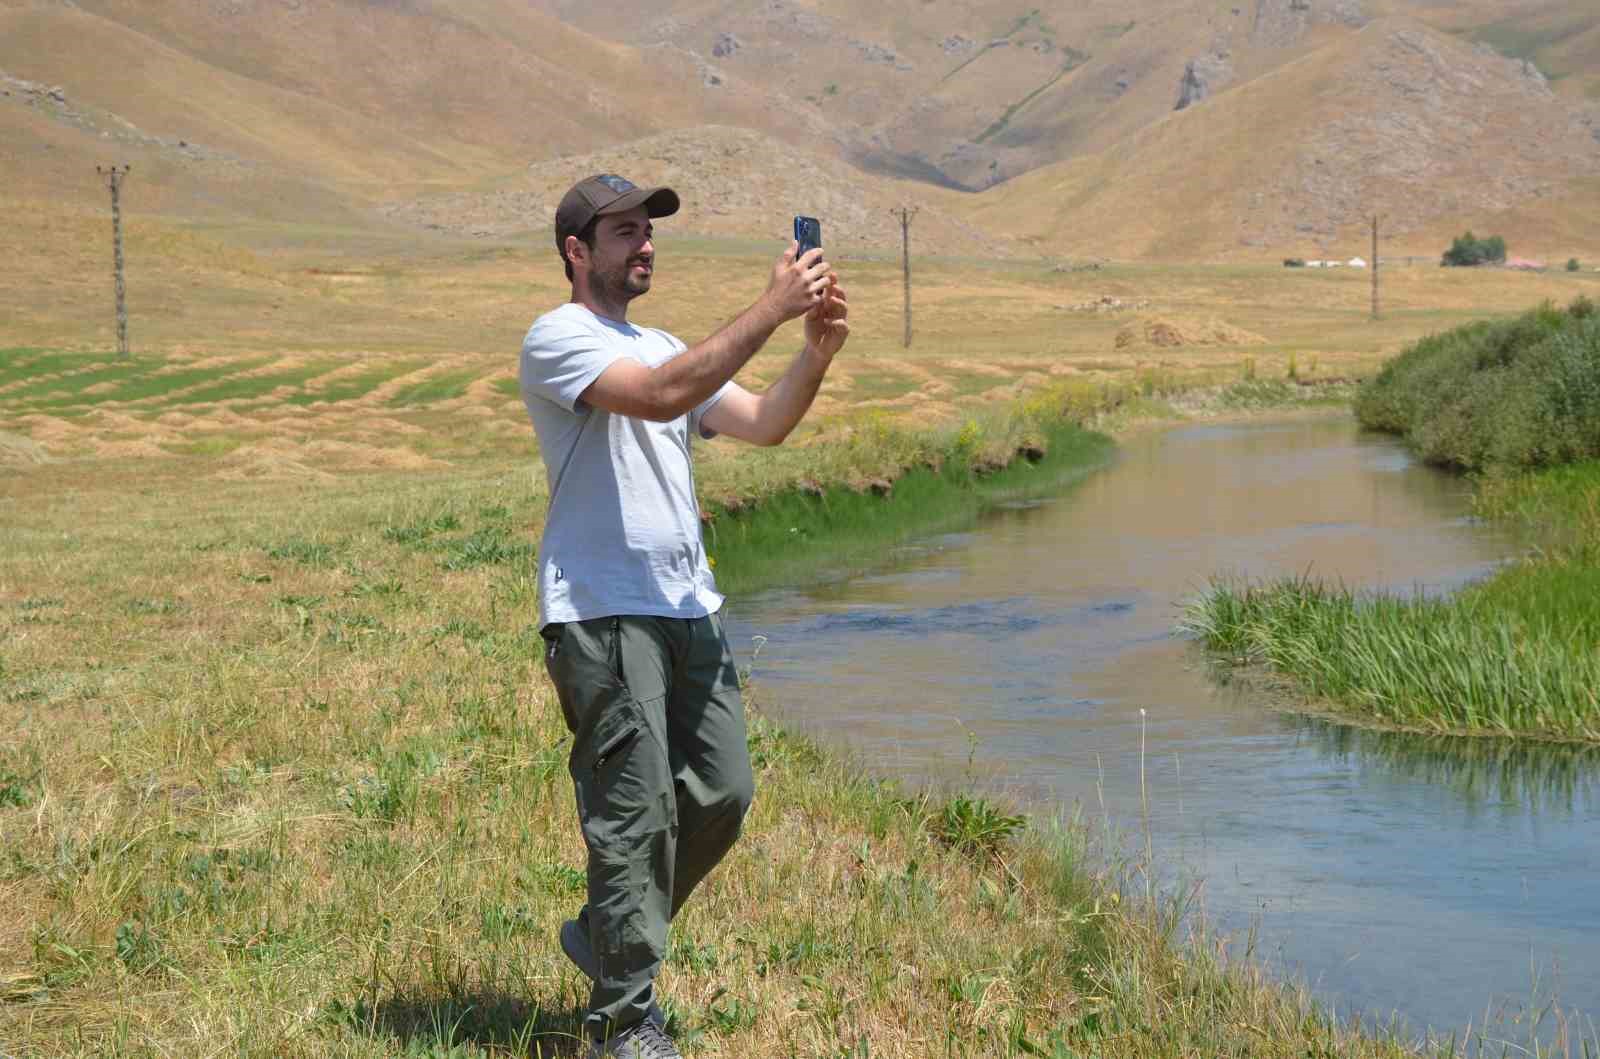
(280, 772)
(1515, 655)
(313, 350)
(282, 776)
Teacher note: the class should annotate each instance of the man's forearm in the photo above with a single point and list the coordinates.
(699, 371)
(787, 401)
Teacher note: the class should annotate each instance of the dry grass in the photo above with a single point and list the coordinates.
(280, 773)
(271, 354)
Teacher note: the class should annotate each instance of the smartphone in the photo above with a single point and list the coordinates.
(808, 233)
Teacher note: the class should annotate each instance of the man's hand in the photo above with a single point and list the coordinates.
(798, 284)
(826, 328)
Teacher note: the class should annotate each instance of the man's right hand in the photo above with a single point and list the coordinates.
(798, 283)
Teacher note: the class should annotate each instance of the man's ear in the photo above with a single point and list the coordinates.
(575, 250)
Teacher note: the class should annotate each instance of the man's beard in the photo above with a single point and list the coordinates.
(617, 286)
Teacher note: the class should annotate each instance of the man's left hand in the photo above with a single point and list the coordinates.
(826, 327)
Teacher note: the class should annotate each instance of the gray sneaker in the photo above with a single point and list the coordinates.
(575, 943)
(643, 1041)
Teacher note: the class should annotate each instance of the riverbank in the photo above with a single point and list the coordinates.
(282, 774)
(1515, 655)
(842, 505)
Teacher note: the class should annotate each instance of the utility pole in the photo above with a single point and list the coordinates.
(114, 176)
(1375, 266)
(905, 213)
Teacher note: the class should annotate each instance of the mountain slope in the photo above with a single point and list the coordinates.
(1120, 127)
(1399, 120)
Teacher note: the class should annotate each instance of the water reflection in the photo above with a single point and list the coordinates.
(1539, 779)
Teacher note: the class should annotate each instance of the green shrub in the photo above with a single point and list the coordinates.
(1522, 392)
(1573, 265)
(1468, 250)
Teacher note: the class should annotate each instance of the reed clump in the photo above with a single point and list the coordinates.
(1516, 393)
(1514, 657)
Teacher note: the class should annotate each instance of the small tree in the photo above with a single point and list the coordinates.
(1572, 264)
(1468, 250)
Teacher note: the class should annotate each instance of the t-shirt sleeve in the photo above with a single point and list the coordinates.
(560, 359)
(696, 427)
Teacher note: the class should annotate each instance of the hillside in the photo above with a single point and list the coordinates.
(1165, 128)
(1400, 120)
(733, 182)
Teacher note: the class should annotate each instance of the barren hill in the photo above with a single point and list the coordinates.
(1148, 127)
(733, 182)
(1400, 120)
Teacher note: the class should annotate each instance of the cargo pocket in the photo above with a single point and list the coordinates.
(618, 773)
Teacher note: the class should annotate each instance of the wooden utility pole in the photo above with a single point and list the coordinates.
(114, 176)
(905, 213)
(1375, 266)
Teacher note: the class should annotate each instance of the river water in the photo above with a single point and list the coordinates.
(1433, 880)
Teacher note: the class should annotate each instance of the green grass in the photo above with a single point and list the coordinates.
(351, 387)
(1518, 393)
(802, 531)
(147, 384)
(1469, 664)
(134, 379)
(446, 386)
(84, 375)
(19, 363)
(246, 389)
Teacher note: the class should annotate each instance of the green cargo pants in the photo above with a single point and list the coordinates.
(662, 775)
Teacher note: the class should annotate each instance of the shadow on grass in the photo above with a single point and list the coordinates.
(481, 1021)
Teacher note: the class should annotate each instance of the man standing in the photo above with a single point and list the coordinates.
(628, 606)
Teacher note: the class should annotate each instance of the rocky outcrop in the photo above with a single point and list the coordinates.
(1279, 23)
(1202, 77)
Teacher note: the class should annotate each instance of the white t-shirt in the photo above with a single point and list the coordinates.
(623, 531)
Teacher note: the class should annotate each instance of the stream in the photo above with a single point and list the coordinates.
(1429, 880)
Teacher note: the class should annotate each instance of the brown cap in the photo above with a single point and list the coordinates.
(603, 194)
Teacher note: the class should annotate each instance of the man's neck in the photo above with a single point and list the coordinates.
(601, 307)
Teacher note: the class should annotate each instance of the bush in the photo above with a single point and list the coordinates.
(1294, 262)
(1523, 392)
(1573, 265)
(1468, 250)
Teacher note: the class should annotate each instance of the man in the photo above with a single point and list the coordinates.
(628, 607)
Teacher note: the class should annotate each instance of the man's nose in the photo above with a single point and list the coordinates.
(648, 247)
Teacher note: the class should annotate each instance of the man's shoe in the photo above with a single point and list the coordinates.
(643, 1041)
(575, 943)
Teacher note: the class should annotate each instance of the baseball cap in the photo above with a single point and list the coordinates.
(607, 193)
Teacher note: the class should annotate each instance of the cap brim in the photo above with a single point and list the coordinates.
(659, 202)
